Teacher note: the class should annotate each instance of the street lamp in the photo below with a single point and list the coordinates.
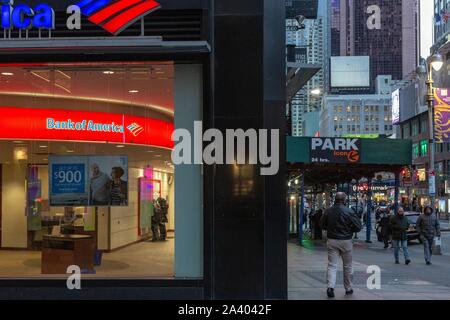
(435, 63)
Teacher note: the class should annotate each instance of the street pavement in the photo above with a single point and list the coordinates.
(417, 281)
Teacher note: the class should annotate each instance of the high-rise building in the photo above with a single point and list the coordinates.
(311, 47)
(385, 30)
(441, 25)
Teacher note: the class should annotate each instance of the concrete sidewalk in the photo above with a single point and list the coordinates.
(307, 274)
(445, 225)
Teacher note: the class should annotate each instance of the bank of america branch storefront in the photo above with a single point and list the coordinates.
(88, 109)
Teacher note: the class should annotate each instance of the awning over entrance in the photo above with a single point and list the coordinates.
(328, 160)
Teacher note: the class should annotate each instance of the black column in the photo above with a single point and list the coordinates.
(248, 238)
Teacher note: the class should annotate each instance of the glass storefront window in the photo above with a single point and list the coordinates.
(86, 154)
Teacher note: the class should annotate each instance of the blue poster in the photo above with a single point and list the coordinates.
(68, 181)
(68, 178)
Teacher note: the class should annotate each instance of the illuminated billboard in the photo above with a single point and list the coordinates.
(396, 107)
(350, 72)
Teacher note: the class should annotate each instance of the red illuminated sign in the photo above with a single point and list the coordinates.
(72, 125)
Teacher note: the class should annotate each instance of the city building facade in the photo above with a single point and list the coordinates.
(358, 114)
(385, 30)
(441, 25)
(310, 47)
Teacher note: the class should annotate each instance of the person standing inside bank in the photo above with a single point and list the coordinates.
(428, 227)
(118, 192)
(399, 226)
(340, 223)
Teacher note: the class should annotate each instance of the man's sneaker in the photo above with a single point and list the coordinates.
(397, 262)
(428, 263)
(407, 261)
(349, 292)
(330, 293)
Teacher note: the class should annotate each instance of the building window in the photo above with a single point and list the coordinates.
(423, 148)
(415, 150)
(415, 128)
(423, 125)
(405, 131)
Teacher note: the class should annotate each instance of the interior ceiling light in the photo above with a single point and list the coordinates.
(7, 73)
(108, 72)
(133, 91)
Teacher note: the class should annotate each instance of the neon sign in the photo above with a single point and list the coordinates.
(85, 126)
(112, 15)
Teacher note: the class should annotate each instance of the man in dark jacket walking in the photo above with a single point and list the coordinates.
(399, 226)
(385, 227)
(340, 223)
(428, 227)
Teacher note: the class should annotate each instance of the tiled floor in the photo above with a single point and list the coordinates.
(144, 259)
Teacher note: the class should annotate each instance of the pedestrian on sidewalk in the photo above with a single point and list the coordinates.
(385, 217)
(428, 227)
(340, 223)
(399, 226)
(316, 223)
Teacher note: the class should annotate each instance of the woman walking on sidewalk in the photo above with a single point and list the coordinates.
(428, 227)
(399, 227)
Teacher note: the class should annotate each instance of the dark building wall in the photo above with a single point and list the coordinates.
(248, 238)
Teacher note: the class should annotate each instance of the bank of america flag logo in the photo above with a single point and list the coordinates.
(116, 15)
(135, 129)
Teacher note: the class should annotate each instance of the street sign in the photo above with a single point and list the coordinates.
(335, 150)
(432, 184)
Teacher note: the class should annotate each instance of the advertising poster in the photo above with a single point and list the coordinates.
(88, 180)
(396, 107)
(335, 150)
(68, 181)
(441, 115)
(108, 180)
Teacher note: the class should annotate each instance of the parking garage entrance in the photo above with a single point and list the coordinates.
(367, 170)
